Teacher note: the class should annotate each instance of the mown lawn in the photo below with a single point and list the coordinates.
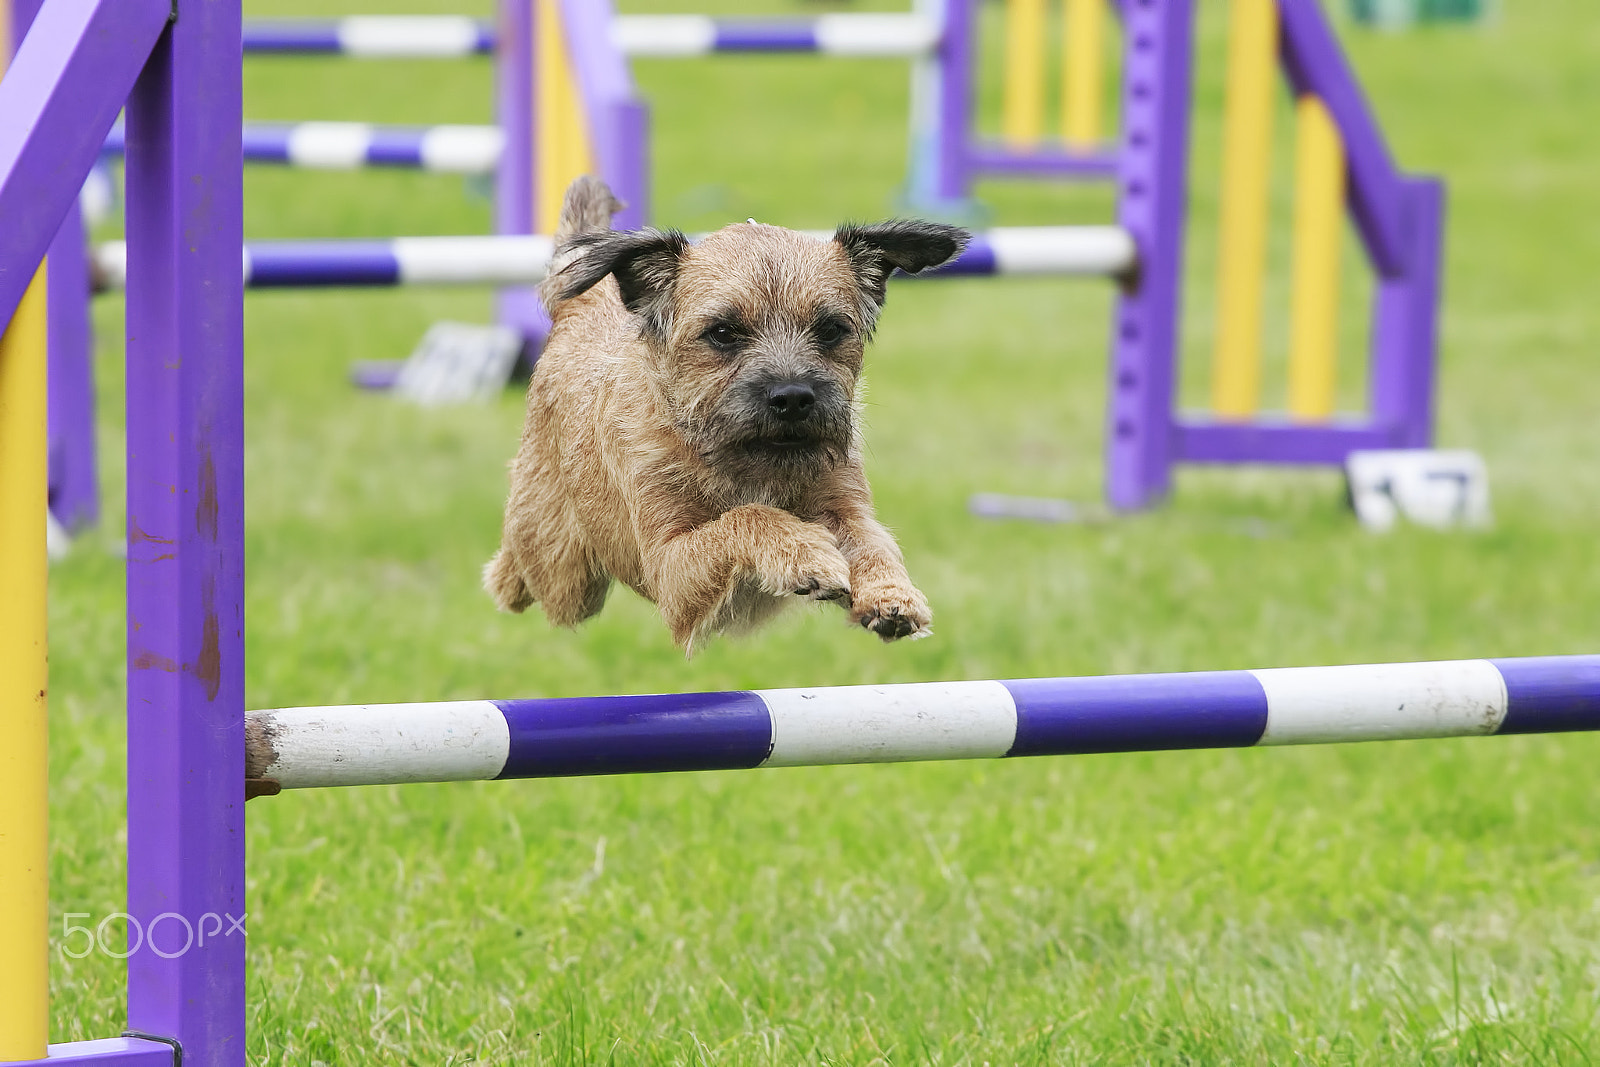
(1433, 902)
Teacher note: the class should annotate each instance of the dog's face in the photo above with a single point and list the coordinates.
(758, 331)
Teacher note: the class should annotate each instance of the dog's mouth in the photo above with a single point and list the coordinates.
(782, 444)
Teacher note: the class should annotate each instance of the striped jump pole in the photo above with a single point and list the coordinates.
(381, 744)
(651, 36)
(1101, 251)
(865, 35)
(349, 145)
(372, 36)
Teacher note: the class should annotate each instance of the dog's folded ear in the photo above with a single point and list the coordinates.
(645, 262)
(911, 245)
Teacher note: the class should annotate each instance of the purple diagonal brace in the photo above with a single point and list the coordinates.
(616, 116)
(1315, 64)
(185, 570)
(74, 482)
(59, 98)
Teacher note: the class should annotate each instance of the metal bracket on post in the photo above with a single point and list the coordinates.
(171, 1042)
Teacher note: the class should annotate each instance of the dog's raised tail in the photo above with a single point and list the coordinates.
(587, 207)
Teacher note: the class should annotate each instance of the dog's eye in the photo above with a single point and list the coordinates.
(830, 332)
(723, 337)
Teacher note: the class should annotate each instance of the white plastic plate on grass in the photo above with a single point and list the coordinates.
(1441, 488)
(458, 363)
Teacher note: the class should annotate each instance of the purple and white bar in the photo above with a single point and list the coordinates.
(865, 35)
(349, 145)
(655, 36)
(373, 36)
(470, 740)
(523, 260)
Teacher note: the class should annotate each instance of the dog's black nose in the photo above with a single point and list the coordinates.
(791, 402)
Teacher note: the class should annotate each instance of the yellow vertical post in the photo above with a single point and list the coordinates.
(1318, 226)
(24, 677)
(1242, 237)
(1022, 91)
(1082, 72)
(563, 142)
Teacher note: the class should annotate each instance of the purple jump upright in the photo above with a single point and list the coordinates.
(185, 419)
(1154, 185)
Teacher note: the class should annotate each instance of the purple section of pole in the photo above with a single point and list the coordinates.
(976, 258)
(375, 374)
(518, 308)
(635, 734)
(1158, 39)
(266, 143)
(312, 264)
(1268, 442)
(185, 567)
(391, 147)
(991, 159)
(956, 68)
(1405, 326)
(59, 97)
(74, 478)
(1316, 64)
(775, 35)
(630, 152)
(1551, 694)
(1072, 716)
(290, 37)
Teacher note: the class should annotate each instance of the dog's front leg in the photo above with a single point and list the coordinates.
(696, 573)
(882, 597)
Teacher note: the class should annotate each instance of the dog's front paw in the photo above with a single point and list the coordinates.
(810, 566)
(892, 611)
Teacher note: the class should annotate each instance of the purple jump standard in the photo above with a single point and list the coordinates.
(466, 740)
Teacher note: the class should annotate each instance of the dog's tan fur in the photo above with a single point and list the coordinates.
(635, 463)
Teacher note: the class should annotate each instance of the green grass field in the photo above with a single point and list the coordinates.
(1430, 902)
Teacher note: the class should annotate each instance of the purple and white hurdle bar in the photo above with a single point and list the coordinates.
(470, 740)
(1098, 251)
(449, 37)
(448, 149)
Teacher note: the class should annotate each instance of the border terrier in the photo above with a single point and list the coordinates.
(692, 427)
